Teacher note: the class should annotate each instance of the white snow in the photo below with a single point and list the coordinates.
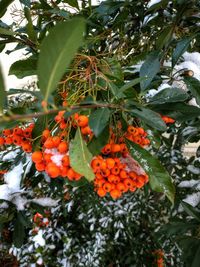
(13, 177)
(153, 2)
(49, 202)
(193, 57)
(11, 155)
(39, 240)
(193, 199)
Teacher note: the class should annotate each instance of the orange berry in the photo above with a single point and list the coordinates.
(115, 193)
(98, 176)
(77, 176)
(71, 174)
(101, 192)
(65, 103)
(86, 130)
(27, 132)
(107, 149)
(40, 166)
(96, 164)
(58, 119)
(76, 116)
(56, 140)
(65, 161)
(99, 182)
(133, 175)
(121, 187)
(132, 130)
(44, 104)
(123, 174)
(49, 143)
(27, 147)
(123, 148)
(17, 140)
(8, 140)
(46, 133)
(2, 141)
(105, 173)
(141, 131)
(115, 148)
(7, 132)
(61, 113)
(63, 147)
(17, 131)
(64, 171)
(115, 170)
(107, 187)
(82, 121)
(47, 157)
(110, 163)
(128, 182)
(63, 125)
(112, 178)
(52, 170)
(37, 156)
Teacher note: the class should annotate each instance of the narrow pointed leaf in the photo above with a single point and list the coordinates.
(160, 180)
(180, 49)
(168, 95)
(150, 118)
(80, 157)
(149, 69)
(2, 90)
(57, 51)
(194, 86)
(98, 120)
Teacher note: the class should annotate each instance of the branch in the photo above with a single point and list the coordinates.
(17, 117)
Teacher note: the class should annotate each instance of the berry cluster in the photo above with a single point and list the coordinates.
(18, 137)
(54, 158)
(77, 120)
(114, 177)
(117, 145)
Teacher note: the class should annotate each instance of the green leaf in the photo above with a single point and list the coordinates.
(97, 143)
(99, 119)
(168, 95)
(150, 118)
(3, 6)
(19, 231)
(23, 68)
(29, 27)
(160, 180)
(40, 126)
(149, 69)
(57, 52)
(80, 157)
(181, 47)
(2, 90)
(194, 86)
(164, 37)
(4, 31)
(190, 210)
(128, 85)
(178, 111)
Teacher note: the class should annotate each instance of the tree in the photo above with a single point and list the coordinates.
(113, 79)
